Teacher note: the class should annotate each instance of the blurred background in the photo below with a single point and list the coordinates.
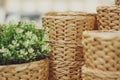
(17, 10)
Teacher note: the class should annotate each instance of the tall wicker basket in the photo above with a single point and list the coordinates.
(65, 34)
(102, 55)
(109, 17)
(117, 2)
(37, 70)
(67, 26)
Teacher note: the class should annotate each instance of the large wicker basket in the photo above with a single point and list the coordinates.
(65, 34)
(109, 17)
(102, 55)
(67, 26)
(37, 70)
(117, 2)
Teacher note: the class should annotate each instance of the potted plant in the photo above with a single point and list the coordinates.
(23, 52)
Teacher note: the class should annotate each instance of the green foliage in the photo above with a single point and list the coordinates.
(21, 43)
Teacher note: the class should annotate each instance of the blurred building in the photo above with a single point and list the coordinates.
(34, 9)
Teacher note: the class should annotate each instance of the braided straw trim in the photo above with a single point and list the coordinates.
(62, 42)
(100, 74)
(37, 70)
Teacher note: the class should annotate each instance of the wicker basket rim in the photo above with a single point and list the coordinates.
(13, 65)
(103, 34)
(68, 17)
(109, 8)
(69, 13)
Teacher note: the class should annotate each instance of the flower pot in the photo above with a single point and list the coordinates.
(108, 17)
(37, 70)
(102, 55)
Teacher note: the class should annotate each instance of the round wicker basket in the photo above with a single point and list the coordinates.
(117, 2)
(67, 26)
(102, 55)
(37, 70)
(65, 34)
(108, 17)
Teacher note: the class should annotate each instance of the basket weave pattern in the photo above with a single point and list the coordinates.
(66, 52)
(29, 71)
(65, 70)
(67, 27)
(65, 35)
(108, 18)
(101, 53)
(117, 2)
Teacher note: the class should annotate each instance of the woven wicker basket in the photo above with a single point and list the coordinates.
(67, 26)
(66, 52)
(109, 18)
(65, 70)
(102, 55)
(37, 70)
(117, 2)
(65, 61)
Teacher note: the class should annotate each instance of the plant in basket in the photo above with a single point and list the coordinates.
(23, 52)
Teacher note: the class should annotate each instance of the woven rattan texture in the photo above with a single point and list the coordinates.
(29, 71)
(94, 74)
(101, 51)
(65, 70)
(108, 18)
(65, 33)
(117, 2)
(67, 27)
(65, 62)
(66, 52)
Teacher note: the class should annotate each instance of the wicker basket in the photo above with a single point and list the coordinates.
(65, 70)
(109, 17)
(67, 26)
(102, 55)
(65, 61)
(117, 2)
(37, 70)
(66, 52)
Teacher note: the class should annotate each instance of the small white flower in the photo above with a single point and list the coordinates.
(26, 53)
(2, 50)
(18, 30)
(28, 33)
(45, 47)
(30, 50)
(22, 51)
(26, 43)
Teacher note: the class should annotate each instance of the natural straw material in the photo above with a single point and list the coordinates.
(109, 17)
(67, 26)
(66, 52)
(95, 74)
(65, 61)
(101, 51)
(37, 70)
(117, 2)
(65, 70)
